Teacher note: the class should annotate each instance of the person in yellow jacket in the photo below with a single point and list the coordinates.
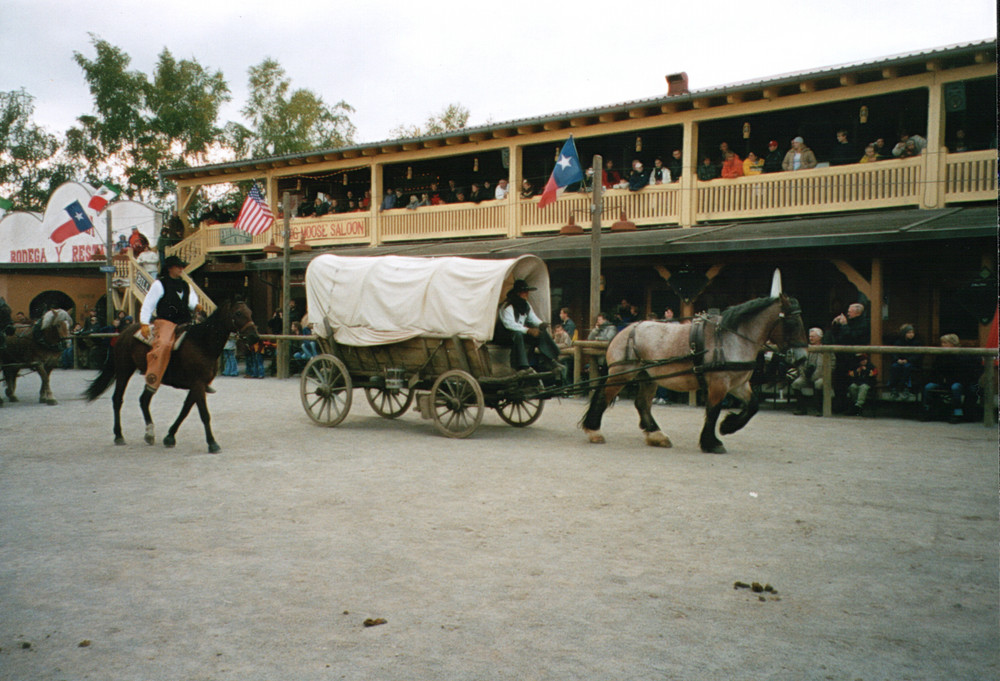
(753, 165)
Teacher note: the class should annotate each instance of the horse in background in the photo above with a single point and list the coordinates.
(6, 322)
(192, 367)
(39, 348)
(717, 353)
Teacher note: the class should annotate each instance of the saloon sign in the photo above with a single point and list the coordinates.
(28, 237)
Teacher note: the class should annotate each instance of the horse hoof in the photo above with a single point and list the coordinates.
(119, 441)
(658, 439)
(717, 449)
(169, 441)
(214, 448)
(50, 401)
(595, 437)
(11, 398)
(151, 440)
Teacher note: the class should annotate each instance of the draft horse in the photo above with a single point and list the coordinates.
(716, 353)
(38, 347)
(192, 367)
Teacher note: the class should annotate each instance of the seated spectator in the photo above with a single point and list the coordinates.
(659, 174)
(603, 329)
(137, 242)
(707, 170)
(436, 199)
(528, 190)
(843, 151)
(320, 205)
(337, 206)
(774, 158)
(732, 166)
(389, 202)
(753, 165)
(863, 377)
(723, 150)
(915, 149)
(610, 177)
(366, 200)
(122, 245)
(352, 206)
(909, 150)
(676, 165)
(870, 155)
(810, 374)
(488, 191)
(560, 337)
(460, 196)
(638, 178)
(959, 374)
(477, 194)
(500, 193)
(425, 200)
(668, 315)
(882, 150)
(799, 157)
(451, 193)
(901, 369)
(414, 202)
(400, 201)
(959, 144)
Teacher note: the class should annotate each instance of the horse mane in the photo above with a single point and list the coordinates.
(203, 330)
(55, 316)
(733, 316)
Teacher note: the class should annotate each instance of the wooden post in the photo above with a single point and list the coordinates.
(109, 307)
(281, 354)
(875, 301)
(689, 178)
(596, 209)
(828, 385)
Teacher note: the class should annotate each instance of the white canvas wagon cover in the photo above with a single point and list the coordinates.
(373, 300)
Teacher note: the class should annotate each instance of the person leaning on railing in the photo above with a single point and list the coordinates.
(799, 157)
(957, 374)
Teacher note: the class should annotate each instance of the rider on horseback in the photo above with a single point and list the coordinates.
(172, 300)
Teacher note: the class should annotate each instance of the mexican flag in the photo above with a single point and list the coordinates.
(103, 197)
(5, 205)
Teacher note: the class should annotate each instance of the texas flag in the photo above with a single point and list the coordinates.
(103, 197)
(566, 172)
(78, 222)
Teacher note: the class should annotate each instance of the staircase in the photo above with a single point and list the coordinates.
(130, 284)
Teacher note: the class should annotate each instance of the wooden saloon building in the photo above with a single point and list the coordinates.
(913, 238)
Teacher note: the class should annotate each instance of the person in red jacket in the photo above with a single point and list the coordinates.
(732, 167)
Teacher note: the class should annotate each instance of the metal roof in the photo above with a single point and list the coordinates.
(822, 232)
(779, 80)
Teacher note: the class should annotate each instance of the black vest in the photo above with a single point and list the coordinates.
(173, 306)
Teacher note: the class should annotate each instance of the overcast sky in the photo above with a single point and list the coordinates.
(397, 62)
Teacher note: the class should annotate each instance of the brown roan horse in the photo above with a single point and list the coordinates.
(192, 367)
(718, 354)
(38, 348)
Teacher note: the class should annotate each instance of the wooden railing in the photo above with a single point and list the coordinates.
(968, 176)
(971, 176)
(137, 282)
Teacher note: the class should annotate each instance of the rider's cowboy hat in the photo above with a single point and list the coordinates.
(173, 261)
(521, 285)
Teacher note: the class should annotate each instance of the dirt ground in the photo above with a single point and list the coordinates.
(515, 554)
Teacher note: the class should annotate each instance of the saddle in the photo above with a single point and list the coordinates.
(179, 335)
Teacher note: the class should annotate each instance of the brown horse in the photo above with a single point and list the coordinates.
(192, 367)
(38, 347)
(715, 353)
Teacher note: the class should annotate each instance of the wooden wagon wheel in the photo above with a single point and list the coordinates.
(389, 403)
(457, 402)
(326, 390)
(520, 412)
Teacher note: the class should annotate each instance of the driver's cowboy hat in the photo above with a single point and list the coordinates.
(173, 261)
(520, 285)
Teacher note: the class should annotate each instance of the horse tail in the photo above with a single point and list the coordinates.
(103, 380)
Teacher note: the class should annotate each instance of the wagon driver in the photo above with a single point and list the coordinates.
(524, 328)
(172, 301)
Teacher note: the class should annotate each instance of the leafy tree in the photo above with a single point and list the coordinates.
(286, 121)
(140, 124)
(31, 161)
(452, 117)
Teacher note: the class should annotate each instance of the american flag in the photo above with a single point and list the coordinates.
(254, 216)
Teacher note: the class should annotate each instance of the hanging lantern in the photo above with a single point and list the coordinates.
(557, 155)
(409, 172)
(746, 131)
(475, 165)
(638, 143)
(246, 281)
(298, 184)
(345, 179)
(863, 114)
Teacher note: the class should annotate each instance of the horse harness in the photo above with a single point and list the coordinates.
(698, 351)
